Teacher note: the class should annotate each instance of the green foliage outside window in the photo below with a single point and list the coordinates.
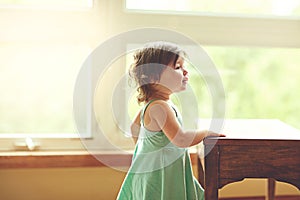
(258, 82)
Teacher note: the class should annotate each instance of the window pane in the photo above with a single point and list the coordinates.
(36, 86)
(260, 82)
(248, 7)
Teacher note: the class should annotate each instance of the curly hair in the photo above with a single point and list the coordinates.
(149, 63)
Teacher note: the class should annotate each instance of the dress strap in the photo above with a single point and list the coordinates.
(146, 106)
(144, 109)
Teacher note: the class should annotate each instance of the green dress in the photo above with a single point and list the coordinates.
(159, 169)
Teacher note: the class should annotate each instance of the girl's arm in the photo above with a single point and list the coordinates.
(135, 127)
(165, 118)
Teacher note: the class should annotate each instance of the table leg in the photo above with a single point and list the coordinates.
(211, 173)
(200, 164)
(271, 189)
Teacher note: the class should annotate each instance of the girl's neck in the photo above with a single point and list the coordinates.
(161, 93)
(160, 96)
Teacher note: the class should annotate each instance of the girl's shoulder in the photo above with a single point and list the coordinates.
(160, 107)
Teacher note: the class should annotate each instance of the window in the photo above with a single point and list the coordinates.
(37, 87)
(41, 59)
(259, 82)
(41, 53)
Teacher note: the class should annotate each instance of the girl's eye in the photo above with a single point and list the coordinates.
(177, 67)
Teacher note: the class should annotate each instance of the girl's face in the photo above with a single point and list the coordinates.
(175, 78)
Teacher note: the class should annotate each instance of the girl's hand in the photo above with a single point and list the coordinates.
(213, 134)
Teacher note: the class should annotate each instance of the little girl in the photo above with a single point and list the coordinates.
(161, 167)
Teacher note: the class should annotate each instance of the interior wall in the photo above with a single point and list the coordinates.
(98, 183)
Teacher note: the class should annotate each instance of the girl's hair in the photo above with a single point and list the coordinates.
(149, 63)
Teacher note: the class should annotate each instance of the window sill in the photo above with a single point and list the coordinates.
(62, 159)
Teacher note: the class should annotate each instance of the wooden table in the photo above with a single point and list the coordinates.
(252, 149)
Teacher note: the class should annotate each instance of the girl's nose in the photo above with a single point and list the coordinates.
(185, 72)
